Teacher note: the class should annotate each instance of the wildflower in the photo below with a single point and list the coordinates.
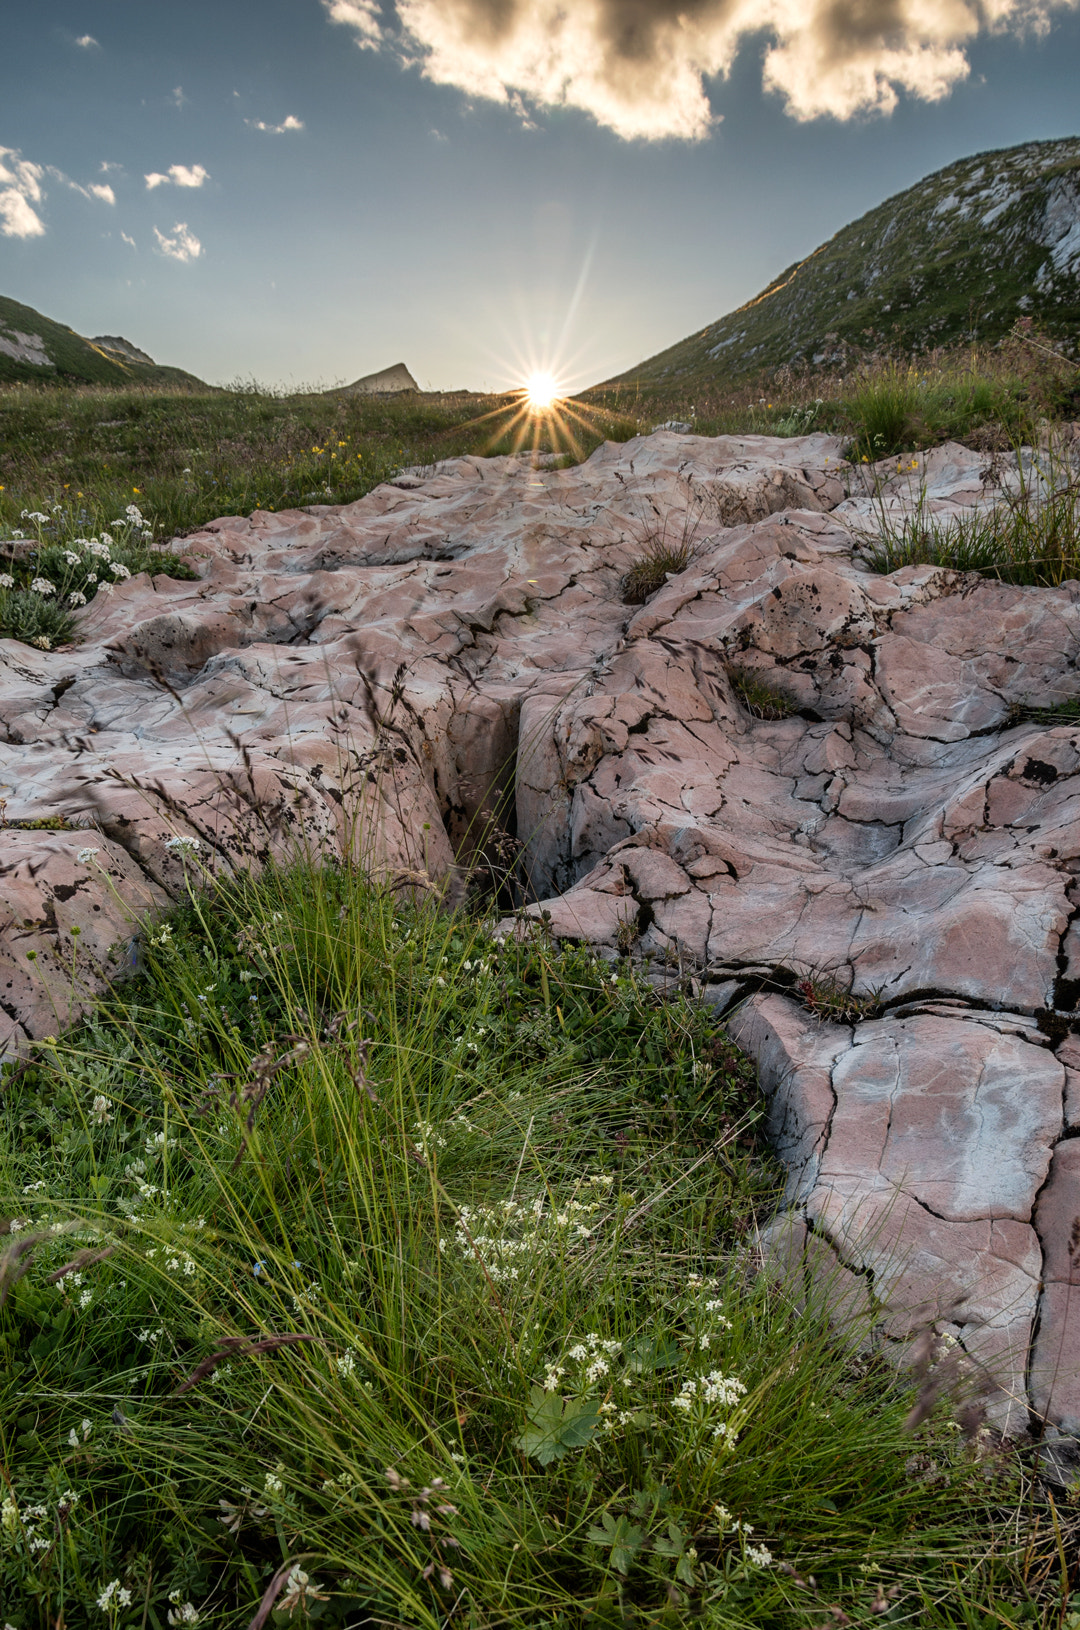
(759, 1556)
(186, 1612)
(299, 1588)
(42, 641)
(119, 572)
(85, 856)
(76, 599)
(35, 1188)
(114, 1594)
(6, 580)
(272, 1482)
(722, 1389)
(41, 585)
(105, 588)
(71, 557)
(346, 1364)
(596, 1369)
(184, 844)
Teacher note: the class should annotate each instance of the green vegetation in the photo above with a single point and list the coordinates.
(186, 459)
(759, 695)
(365, 1267)
(1031, 534)
(660, 556)
(52, 570)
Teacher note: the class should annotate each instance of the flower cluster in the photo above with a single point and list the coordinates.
(509, 1235)
(33, 1522)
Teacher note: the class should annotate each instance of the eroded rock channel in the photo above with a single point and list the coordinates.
(457, 642)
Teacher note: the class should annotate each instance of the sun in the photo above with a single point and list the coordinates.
(541, 392)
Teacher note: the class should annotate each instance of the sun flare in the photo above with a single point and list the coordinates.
(541, 392)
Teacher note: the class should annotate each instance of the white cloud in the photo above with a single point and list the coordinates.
(178, 96)
(641, 67)
(363, 15)
(178, 175)
(87, 42)
(290, 122)
(100, 189)
(183, 245)
(128, 240)
(20, 190)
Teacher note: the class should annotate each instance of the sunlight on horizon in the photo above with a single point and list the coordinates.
(542, 391)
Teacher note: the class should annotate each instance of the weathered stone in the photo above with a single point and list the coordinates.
(451, 653)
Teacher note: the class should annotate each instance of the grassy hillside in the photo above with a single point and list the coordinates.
(957, 258)
(36, 350)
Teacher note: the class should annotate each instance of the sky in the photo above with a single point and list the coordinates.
(300, 192)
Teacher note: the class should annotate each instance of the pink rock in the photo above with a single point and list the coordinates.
(392, 676)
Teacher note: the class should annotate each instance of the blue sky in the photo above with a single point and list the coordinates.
(303, 191)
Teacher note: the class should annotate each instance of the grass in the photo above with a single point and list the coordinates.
(992, 397)
(660, 556)
(760, 696)
(186, 458)
(1031, 535)
(409, 1277)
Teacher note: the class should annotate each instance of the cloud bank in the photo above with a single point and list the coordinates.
(640, 67)
(183, 245)
(178, 175)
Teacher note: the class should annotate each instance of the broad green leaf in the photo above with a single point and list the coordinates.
(557, 1425)
(623, 1537)
(653, 1353)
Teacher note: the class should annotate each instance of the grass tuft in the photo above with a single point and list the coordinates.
(761, 697)
(402, 1276)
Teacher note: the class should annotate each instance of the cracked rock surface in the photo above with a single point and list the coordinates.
(456, 643)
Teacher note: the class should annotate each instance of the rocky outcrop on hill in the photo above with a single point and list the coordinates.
(456, 645)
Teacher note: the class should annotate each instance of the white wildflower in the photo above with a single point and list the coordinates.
(35, 1188)
(85, 856)
(6, 580)
(186, 1612)
(42, 641)
(272, 1483)
(41, 585)
(722, 1389)
(114, 1594)
(596, 1369)
(119, 572)
(76, 599)
(184, 844)
(99, 1114)
(759, 1556)
(346, 1364)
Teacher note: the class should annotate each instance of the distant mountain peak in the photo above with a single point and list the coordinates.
(388, 381)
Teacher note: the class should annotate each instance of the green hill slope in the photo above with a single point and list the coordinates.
(36, 350)
(959, 256)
